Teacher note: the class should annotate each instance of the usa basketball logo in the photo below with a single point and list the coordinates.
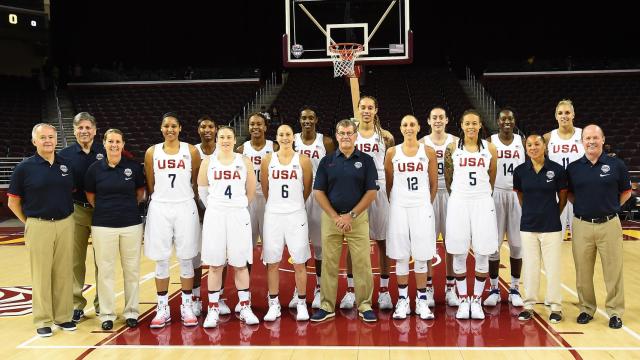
(15, 301)
(99, 157)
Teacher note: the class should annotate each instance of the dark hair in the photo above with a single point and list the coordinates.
(465, 113)
(438, 107)
(260, 115)
(533, 133)
(225, 127)
(171, 114)
(206, 118)
(376, 120)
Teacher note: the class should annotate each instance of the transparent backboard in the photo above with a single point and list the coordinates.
(381, 26)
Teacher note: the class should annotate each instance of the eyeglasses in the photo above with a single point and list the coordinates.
(345, 134)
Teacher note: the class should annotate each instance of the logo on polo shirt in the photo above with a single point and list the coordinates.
(64, 170)
(357, 164)
(605, 168)
(99, 157)
(127, 172)
(550, 174)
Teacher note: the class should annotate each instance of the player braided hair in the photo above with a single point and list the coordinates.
(376, 120)
(479, 141)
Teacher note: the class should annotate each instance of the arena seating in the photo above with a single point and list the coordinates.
(21, 108)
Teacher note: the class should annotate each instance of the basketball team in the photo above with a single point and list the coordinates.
(210, 203)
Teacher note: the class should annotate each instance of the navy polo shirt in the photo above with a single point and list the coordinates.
(540, 212)
(115, 190)
(346, 180)
(80, 162)
(45, 189)
(597, 187)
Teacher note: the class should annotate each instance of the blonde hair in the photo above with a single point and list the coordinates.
(565, 102)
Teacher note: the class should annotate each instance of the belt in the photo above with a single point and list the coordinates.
(83, 204)
(50, 219)
(597, 220)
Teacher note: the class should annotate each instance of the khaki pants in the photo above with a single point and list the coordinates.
(540, 248)
(108, 242)
(605, 238)
(360, 249)
(82, 217)
(50, 248)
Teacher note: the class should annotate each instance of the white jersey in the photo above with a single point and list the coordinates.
(286, 188)
(227, 183)
(375, 147)
(563, 151)
(471, 171)
(256, 159)
(172, 174)
(410, 178)
(316, 151)
(202, 154)
(509, 157)
(440, 149)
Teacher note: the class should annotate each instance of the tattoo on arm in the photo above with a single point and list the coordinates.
(448, 168)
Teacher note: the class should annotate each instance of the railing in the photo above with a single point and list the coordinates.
(59, 114)
(6, 168)
(486, 101)
(239, 122)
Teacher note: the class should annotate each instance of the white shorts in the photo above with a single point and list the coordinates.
(508, 213)
(440, 212)
(411, 233)
(168, 224)
(226, 237)
(256, 211)
(314, 212)
(291, 229)
(379, 214)
(471, 222)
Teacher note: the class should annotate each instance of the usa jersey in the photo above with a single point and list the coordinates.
(315, 151)
(410, 178)
(286, 188)
(509, 157)
(375, 147)
(440, 149)
(256, 159)
(172, 174)
(227, 183)
(471, 171)
(564, 152)
(202, 154)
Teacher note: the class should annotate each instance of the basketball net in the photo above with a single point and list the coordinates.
(344, 56)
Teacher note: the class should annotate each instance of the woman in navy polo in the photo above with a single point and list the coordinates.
(114, 187)
(541, 185)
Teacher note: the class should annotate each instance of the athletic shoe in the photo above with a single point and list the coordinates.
(463, 309)
(431, 302)
(274, 310)
(322, 315)
(476, 308)
(368, 316)
(67, 326)
(293, 303)
(403, 308)
(196, 305)
(247, 316)
(78, 314)
(316, 298)
(187, 315)
(514, 298)
(494, 297)
(238, 308)
(303, 313)
(44, 331)
(384, 301)
(451, 297)
(525, 315)
(213, 314)
(163, 317)
(422, 309)
(349, 300)
(223, 308)
(555, 317)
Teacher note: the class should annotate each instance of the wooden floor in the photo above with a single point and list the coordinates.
(500, 336)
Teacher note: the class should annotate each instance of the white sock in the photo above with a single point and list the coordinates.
(478, 287)
(462, 287)
(515, 282)
(384, 282)
(214, 297)
(244, 295)
(350, 282)
(317, 281)
(494, 282)
(196, 292)
(422, 294)
(163, 300)
(187, 299)
(403, 292)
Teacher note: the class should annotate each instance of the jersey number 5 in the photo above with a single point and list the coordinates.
(472, 178)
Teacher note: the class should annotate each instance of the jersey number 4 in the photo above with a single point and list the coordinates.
(227, 192)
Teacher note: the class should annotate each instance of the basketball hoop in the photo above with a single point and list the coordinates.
(344, 56)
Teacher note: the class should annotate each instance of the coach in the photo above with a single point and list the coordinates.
(40, 196)
(345, 186)
(598, 186)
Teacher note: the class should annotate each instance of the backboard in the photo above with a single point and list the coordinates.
(384, 23)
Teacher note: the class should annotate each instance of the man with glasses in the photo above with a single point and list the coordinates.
(345, 186)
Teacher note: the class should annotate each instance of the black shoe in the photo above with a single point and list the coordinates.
(107, 325)
(67, 326)
(615, 322)
(368, 316)
(525, 315)
(78, 314)
(322, 315)
(132, 322)
(555, 317)
(44, 331)
(584, 318)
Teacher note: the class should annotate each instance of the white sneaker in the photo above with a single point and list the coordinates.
(431, 302)
(187, 315)
(317, 299)
(348, 301)
(247, 316)
(294, 299)
(494, 297)
(514, 298)
(239, 307)
(223, 308)
(403, 308)
(450, 296)
(422, 309)
(384, 301)
(213, 314)
(476, 308)
(463, 309)
(274, 310)
(303, 313)
(197, 307)
(162, 318)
